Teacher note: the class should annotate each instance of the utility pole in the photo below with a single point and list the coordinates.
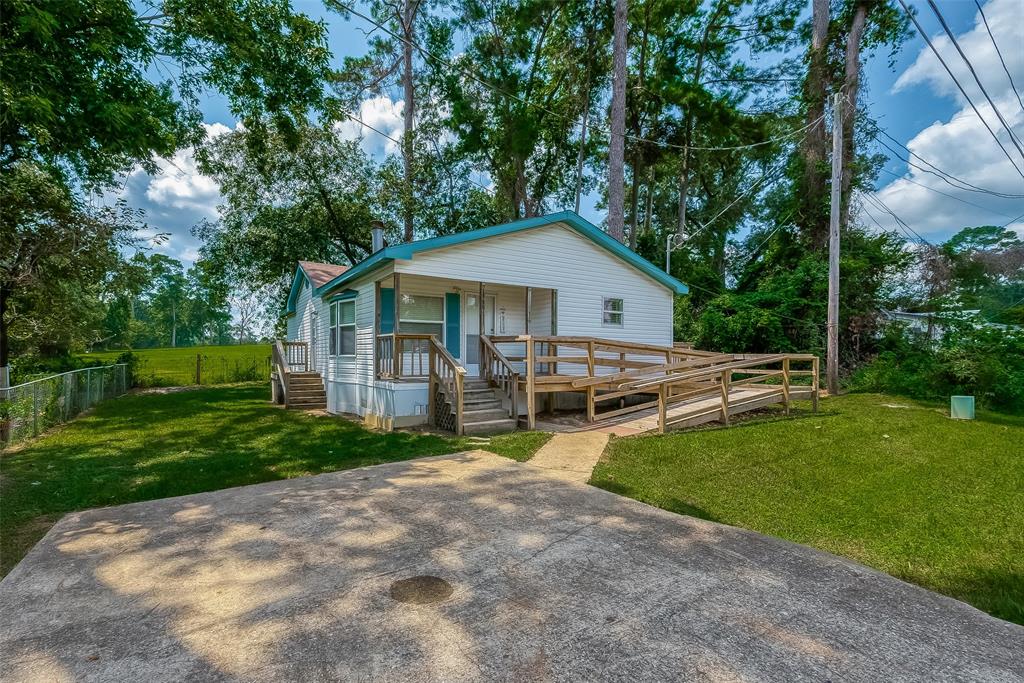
(832, 346)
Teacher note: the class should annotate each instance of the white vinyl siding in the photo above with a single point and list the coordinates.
(556, 257)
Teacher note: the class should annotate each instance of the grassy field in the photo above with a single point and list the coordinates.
(888, 482)
(167, 367)
(141, 447)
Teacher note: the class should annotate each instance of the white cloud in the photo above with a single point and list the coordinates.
(962, 146)
(381, 113)
(180, 185)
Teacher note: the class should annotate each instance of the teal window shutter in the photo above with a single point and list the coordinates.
(452, 331)
(387, 310)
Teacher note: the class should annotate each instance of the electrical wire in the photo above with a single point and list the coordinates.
(945, 194)
(970, 67)
(999, 52)
(636, 138)
(949, 178)
(963, 92)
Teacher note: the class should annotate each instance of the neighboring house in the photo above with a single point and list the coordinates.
(934, 324)
(550, 275)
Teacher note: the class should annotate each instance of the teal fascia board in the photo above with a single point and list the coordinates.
(293, 295)
(570, 218)
(343, 295)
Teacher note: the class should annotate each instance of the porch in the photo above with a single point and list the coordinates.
(636, 388)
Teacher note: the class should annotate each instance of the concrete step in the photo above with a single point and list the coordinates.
(489, 426)
(484, 415)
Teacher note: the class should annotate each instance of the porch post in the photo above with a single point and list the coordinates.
(529, 308)
(483, 330)
(376, 329)
(396, 351)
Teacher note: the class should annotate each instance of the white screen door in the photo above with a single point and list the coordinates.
(471, 329)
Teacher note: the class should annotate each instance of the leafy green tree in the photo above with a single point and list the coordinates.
(314, 201)
(515, 93)
(56, 259)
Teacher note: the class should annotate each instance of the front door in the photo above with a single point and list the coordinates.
(471, 329)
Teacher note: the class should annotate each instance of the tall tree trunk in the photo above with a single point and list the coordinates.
(174, 325)
(852, 86)
(5, 349)
(583, 145)
(407, 113)
(814, 207)
(634, 202)
(684, 186)
(648, 208)
(617, 144)
(586, 110)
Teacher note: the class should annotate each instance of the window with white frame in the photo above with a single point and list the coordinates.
(342, 332)
(422, 315)
(612, 312)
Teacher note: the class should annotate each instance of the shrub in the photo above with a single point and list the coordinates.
(985, 362)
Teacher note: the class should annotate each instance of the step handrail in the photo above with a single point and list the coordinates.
(506, 377)
(446, 371)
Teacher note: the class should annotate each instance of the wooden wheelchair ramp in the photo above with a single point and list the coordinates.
(697, 411)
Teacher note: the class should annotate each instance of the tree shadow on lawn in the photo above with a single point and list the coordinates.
(165, 445)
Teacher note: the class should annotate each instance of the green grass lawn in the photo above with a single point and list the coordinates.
(906, 490)
(141, 447)
(177, 366)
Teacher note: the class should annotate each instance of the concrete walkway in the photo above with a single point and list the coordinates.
(464, 567)
(571, 455)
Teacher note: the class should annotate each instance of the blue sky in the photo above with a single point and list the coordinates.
(915, 101)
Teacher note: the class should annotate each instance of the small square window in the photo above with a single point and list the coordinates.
(612, 312)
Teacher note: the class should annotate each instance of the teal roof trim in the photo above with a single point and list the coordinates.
(569, 218)
(343, 295)
(293, 295)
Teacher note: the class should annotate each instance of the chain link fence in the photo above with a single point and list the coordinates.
(28, 409)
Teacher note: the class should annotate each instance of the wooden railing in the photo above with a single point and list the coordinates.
(608, 371)
(403, 356)
(446, 380)
(287, 357)
(499, 371)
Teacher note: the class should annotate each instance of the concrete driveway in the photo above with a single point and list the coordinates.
(536, 578)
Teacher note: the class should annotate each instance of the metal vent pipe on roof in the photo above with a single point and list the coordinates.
(377, 231)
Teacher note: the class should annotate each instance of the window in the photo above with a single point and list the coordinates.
(342, 333)
(612, 312)
(422, 315)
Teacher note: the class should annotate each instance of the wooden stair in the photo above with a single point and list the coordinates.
(482, 409)
(306, 391)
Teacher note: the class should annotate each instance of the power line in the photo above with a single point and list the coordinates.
(636, 138)
(963, 92)
(970, 67)
(358, 120)
(1013, 86)
(938, 172)
(945, 194)
(900, 223)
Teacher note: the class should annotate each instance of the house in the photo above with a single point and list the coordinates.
(375, 332)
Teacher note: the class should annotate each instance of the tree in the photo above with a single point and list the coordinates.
(312, 201)
(78, 105)
(617, 142)
(56, 256)
(514, 94)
